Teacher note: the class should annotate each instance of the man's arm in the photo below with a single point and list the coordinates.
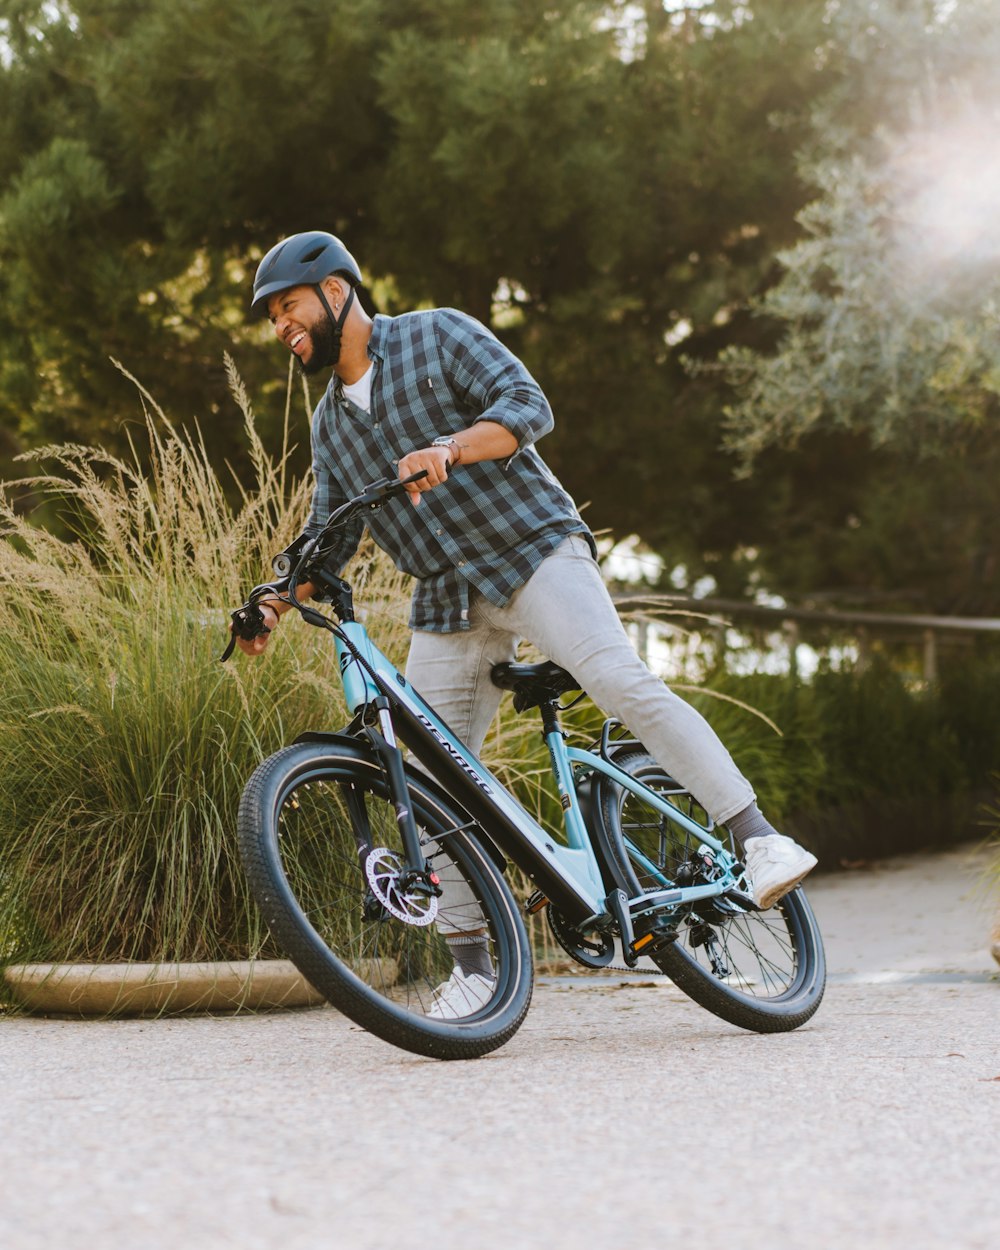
(513, 411)
(490, 380)
(485, 440)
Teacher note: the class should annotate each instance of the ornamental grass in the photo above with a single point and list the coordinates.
(125, 742)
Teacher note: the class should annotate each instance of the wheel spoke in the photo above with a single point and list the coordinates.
(756, 968)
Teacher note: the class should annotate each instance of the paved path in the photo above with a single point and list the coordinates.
(619, 1116)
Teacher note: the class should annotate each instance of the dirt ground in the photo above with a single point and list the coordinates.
(621, 1114)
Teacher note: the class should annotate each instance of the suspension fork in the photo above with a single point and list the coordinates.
(416, 875)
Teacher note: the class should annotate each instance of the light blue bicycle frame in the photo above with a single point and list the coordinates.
(574, 861)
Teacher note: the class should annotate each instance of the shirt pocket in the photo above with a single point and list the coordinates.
(420, 410)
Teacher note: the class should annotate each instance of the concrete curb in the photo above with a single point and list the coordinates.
(135, 989)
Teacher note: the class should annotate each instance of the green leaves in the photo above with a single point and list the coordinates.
(889, 304)
(608, 185)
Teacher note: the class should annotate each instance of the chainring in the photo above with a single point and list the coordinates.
(592, 950)
(382, 869)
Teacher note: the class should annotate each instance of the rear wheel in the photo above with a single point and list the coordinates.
(764, 971)
(323, 854)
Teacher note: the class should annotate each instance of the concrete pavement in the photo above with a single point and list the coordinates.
(620, 1115)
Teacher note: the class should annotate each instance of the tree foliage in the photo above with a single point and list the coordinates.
(891, 301)
(889, 314)
(614, 176)
(606, 183)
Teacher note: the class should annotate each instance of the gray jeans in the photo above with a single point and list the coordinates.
(566, 611)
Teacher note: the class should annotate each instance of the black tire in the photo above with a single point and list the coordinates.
(763, 971)
(302, 816)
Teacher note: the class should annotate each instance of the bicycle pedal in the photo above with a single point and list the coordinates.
(655, 940)
(535, 903)
(743, 901)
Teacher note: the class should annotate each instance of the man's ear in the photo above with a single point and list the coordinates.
(335, 289)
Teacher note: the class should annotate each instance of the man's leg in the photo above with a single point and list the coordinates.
(566, 611)
(452, 672)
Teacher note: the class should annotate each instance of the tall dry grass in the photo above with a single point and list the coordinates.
(125, 743)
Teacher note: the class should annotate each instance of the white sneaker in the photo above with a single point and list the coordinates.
(775, 865)
(461, 995)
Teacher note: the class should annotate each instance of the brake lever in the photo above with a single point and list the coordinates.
(375, 495)
(248, 624)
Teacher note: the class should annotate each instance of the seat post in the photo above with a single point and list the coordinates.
(550, 717)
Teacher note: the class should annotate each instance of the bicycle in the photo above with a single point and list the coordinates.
(363, 864)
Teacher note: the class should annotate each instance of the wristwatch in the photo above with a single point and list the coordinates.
(447, 440)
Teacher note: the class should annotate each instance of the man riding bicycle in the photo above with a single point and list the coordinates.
(496, 546)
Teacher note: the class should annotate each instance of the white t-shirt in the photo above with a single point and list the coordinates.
(360, 392)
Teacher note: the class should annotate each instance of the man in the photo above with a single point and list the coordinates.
(496, 545)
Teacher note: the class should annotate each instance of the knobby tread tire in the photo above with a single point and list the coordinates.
(293, 933)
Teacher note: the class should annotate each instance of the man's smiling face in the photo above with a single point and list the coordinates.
(301, 323)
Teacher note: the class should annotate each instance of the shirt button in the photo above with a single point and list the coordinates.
(439, 531)
(461, 564)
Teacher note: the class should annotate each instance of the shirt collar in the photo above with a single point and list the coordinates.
(380, 329)
(376, 348)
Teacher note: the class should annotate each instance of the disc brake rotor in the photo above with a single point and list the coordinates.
(383, 868)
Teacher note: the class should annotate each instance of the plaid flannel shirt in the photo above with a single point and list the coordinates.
(491, 524)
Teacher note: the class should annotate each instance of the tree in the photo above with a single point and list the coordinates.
(585, 178)
(606, 206)
(889, 304)
(887, 311)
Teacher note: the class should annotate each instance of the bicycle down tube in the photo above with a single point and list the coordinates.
(568, 875)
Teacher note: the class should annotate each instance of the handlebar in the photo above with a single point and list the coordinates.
(290, 564)
(248, 621)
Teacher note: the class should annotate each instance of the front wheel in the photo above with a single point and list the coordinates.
(323, 854)
(764, 971)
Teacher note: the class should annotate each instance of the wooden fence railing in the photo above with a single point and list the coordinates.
(928, 632)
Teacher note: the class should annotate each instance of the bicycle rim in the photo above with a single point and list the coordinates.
(323, 853)
(763, 971)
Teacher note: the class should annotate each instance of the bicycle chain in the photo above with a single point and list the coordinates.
(608, 967)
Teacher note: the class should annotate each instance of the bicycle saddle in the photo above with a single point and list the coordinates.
(533, 684)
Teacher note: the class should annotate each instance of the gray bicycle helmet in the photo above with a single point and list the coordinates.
(301, 260)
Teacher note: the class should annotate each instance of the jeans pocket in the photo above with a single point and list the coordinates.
(575, 547)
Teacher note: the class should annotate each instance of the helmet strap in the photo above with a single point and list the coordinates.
(336, 323)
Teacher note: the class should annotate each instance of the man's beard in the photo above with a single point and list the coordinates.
(323, 351)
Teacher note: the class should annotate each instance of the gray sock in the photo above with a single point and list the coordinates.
(750, 823)
(472, 954)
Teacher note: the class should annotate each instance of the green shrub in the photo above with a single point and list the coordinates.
(126, 743)
(869, 762)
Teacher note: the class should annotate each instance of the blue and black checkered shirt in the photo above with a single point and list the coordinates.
(491, 524)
